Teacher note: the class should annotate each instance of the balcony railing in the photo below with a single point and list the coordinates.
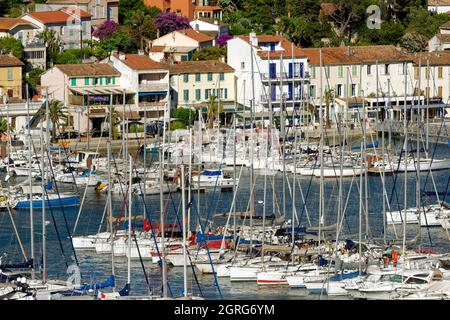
(153, 106)
(150, 86)
(277, 98)
(284, 75)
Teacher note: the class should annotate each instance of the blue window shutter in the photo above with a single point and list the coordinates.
(226, 93)
(290, 90)
(290, 70)
(272, 71)
(273, 92)
(301, 69)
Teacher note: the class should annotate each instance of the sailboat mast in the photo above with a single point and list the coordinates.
(321, 192)
(43, 147)
(110, 185)
(418, 151)
(295, 153)
(183, 204)
(161, 199)
(251, 143)
(30, 183)
(129, 220)
(383, 155)
(405, 150)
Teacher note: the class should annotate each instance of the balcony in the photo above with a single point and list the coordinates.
(153, 106)
(286, 98)
(285, 76)
(151, 86)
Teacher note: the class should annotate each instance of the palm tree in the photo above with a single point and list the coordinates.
(214, 109)
(51, 42)
(56, 112)
(328, 97)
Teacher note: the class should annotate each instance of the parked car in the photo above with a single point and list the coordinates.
(69, 135)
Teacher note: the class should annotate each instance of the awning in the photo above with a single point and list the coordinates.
(101, 90)
(130, 115)
(35, 189)
(156, 93)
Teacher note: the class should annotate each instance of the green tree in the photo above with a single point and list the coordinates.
(142, 25)
(328, 97)
(184, 114)
(33, 77)
(390, 32)
(11, 45)
(210, 53)
(4, 127)
(51, 42)
(425, 23)
(214, 110)
(413, 42)
(57, 114)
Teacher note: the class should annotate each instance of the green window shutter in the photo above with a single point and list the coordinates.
(214, 92)
(113, 80)
(107, 80)
(313, 72)
(206, 94)
(209, 76)
(340, 71)
(226, 94)
(186, 95)
(184, 58)
(354, 70)
(222, 76)
(73, 82)
(86, 81)
(197, 77)
(186, 77)
(198, 94)
(94, 82)
(100, 80)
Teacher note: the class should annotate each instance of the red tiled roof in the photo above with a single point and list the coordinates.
(435, 58)
(200, 67)
(157, 49)
(438, 3)
(197, 36)
(58, 16)
(443, 37)
(289, 49)
(141, 62)
(7, 24)
(7, 60)
(208, 8)
(88, 69)
(361, 54)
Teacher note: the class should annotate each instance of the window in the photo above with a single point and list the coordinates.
(206, 94)
(94, 81)
(93, 13)
(184, 58)
(416, 73)
(313, 72)
(113, 80)
(86, 81)
(100, 81)
(369, 69)
(401, 69)
(73, 82)
(340, 71)
(225, 93)
(186, 77)
(354, 71)
(427, 73)
(312, 92)
(10, 73)
(198, 94)
(197, 77)
(242, 65)
(353, 90)
(386, 69)
(107, 80)
(222, 76)
(440, 92)
(339, 90)
(102, 10)
(210, 76)
(440, 72)
(186, 95)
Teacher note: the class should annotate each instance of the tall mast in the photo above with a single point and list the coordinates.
(283, 134)
(129, 220)
(418, 152)
(43, 148)
(383, 155)
(295, 153)
(30, 184)
(110, 212)
(321, 192)
(183, 204)
(405, 148)
(251, 143)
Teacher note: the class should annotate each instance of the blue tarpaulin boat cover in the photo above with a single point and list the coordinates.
(108, 283)
(200, 238)
(212, 173)
(350, 275)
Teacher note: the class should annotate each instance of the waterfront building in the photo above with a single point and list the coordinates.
(193, 83)
(210, 26)
(148, 80)
(86, 90)
(280, 71)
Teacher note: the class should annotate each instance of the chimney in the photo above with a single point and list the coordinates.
(349, 51)
(253, 39)
(122, 56)
(140, 52)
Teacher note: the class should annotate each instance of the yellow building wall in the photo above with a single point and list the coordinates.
(15, 84)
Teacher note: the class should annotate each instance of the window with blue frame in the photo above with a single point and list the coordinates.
(198, 94)
(186, 77)
(222, 76)
(272, 71)
(197, 77)
(210, 76)
(186, 95)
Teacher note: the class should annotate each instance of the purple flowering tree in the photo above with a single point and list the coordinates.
(105, 30)
(170, 21)
(223, 39)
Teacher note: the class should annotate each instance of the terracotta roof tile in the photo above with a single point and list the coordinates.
(200, 67)
(212, 21)
(157, 49)
(362, 54)
(327, 8)
(9, 23)
(289, 49)
(443, 37)
(141, 62)
(92, 69)
(58, 16)
(445, 25)
(7, 60)
(438, 3)
(436, 58)
(197, 36)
